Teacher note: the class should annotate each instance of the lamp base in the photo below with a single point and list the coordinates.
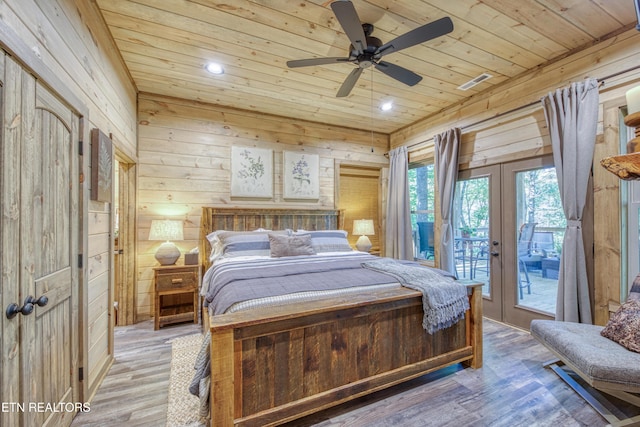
(363, 244)
(167, 254)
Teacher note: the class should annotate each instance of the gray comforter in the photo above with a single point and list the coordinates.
(231, 282)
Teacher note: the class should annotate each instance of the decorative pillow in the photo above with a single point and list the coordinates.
(245, 243)
(216, 245)
(624, 326)
(296, 245)
(328, 240)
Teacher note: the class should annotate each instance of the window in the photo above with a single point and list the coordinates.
(422, 201)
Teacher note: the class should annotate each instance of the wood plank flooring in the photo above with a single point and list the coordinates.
(512, 388)
(136, 389)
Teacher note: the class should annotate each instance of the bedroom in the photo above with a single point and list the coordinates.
(67, 45)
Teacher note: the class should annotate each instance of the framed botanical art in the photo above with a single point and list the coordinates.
(101, 166)
(251, 172)
(301, 175)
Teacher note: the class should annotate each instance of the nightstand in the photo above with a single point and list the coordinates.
(176, 294)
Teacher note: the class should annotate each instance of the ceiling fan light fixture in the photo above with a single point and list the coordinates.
(214, 68)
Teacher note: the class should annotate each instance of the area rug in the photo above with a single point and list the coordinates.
(182, 410)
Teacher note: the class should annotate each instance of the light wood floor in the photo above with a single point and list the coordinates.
(512, 389)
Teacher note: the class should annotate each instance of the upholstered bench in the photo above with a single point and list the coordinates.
(602, 363)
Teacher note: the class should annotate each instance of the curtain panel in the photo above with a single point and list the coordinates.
(447, 145)
(398, 241)
(572, 116)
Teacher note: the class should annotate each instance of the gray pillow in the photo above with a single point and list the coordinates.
(295, 245)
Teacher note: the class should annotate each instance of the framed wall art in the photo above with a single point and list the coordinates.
(101, 166)
(251, 172)
(301, 175)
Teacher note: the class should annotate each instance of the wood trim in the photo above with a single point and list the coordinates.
(127, 186)
(606, 207)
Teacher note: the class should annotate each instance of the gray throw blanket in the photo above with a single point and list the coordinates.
(444, 300)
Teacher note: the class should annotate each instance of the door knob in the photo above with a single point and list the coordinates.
(495, 253)
(40, 302)
(30, 302)
(13, 309)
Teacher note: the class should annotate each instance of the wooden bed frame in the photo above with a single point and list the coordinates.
(276, 364)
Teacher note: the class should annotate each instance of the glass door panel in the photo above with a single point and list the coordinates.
(533, 229)
(540, 231)
(476, 224)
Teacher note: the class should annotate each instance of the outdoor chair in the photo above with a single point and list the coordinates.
(426, 238)
(524, 256)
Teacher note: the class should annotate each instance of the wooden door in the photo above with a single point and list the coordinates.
(40, 194)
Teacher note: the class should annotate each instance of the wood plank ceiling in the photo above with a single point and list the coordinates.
(167, 43)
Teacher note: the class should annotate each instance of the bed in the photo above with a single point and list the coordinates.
(277, 363)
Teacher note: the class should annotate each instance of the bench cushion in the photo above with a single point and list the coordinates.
(600, 361)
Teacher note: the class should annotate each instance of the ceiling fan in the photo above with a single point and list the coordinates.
(366, 50)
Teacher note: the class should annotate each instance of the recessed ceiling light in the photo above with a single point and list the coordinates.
(214, 68)
(386, 106)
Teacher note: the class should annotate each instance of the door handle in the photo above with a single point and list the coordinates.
(30, 302)
(40, 302)
(13, 309)
(495, 253)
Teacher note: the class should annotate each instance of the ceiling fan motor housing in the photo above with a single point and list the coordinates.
(366, 58)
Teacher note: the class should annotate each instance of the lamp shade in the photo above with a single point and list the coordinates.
(633, 100)
(363, 227)
(168, 253)
(166, 230)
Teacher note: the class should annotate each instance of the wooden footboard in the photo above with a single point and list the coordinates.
(276, 364)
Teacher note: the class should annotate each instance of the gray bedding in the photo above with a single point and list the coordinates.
(231, 282)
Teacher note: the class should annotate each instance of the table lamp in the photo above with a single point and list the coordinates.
(363, 228)
(167, 230)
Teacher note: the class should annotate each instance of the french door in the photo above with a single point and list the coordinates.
(508, 227)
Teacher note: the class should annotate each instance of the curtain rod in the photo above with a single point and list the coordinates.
(600, 80)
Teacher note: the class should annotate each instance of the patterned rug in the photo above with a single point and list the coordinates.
(183, 406)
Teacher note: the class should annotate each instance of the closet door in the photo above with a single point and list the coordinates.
(40, 140)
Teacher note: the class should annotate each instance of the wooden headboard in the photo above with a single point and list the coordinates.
(243, 219)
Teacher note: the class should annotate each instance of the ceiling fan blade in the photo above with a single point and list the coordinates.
(349, 83)
(350, 22)
(315, 61)
(399, 73)
(416, 36)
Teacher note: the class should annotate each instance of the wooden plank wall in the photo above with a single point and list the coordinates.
(489, 139)
(184, 164)
(69, 38)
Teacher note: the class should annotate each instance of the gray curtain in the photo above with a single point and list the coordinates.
(447, 145)
(398, 242)
(572, 117)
